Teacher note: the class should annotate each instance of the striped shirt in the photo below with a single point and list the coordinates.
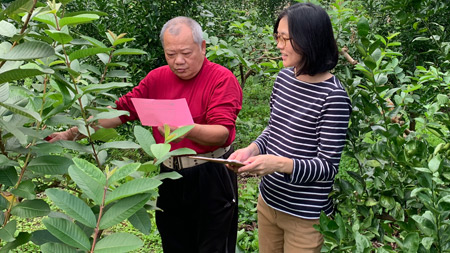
(308, 123)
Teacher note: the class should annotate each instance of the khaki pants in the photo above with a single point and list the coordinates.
(280, 232)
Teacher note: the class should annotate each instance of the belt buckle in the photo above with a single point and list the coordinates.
(176, 163)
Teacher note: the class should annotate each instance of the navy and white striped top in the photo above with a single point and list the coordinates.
(308, 123)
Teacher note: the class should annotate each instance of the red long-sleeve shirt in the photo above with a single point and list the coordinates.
(214, 97)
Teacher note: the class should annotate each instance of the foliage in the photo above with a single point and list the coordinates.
(398, 200)
(142, 20)
(63, 68)
(247, 239)
(246, 49)
(50, 78)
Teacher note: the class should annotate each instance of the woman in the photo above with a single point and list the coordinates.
(298, 153)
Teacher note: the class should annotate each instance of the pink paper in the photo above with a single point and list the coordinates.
(157, 112)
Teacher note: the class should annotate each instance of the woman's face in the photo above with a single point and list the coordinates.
(289, 56)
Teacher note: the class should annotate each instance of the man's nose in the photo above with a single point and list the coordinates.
(179, 59)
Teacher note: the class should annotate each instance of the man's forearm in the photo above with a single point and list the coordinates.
(209, 135)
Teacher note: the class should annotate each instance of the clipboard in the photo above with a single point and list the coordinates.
(219, 160)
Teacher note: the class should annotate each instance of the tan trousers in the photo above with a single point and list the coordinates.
(280, 232)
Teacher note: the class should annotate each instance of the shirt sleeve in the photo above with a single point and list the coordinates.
(332, 129)
(224, 105)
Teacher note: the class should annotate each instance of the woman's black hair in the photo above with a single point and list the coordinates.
(312, 37)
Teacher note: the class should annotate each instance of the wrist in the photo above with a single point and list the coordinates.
(286, 165)
(253, 149)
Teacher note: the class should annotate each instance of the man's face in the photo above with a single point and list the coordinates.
(183, 55)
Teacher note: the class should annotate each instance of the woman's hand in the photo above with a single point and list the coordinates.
(267, 164)
(242, 155)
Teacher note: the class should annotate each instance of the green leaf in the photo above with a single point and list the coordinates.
(8, 176)
(421, 39)
(7, 29)
(119, 145)
(435, 163)
(93, 41)
(427, 242)
(58, 36)
(74, 146)
(122, 40)
(104, 87)
(122, 172)
(91, 170)
(7, 232)
(31, 208)
(182, 151)
(411, 243)
(171, 175)
(145, 138)
(47, 18)
(67, 232)
(371, 202)
(141, 221)
(18, 6)
(426, 170)
(28, 50)
(133, 187)
(104, 134)
(4, 92)
(78, 19)
(160, 150)
(118, 73)
(4, 161)
(72, 206)
(370, 62)
(91, 187)
(83, 53)
(128, 51)
(22, 111)
(363, 27)
(3, 203)
(20, 74)
(417, 190)
(445, 199)
(118, 242)
(179, 132)
(362, 242)
(25, 190)
(50, 164)
(426, 224)
(123, 209)
(40, 237)
(22, 238)
(387, 202)
(53, 247)
(109, 114)
(357, 177)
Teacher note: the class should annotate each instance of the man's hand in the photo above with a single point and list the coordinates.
(67, 135)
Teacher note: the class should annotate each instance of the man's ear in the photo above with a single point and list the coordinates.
(203, 48)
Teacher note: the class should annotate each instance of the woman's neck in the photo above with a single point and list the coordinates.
(317, 78)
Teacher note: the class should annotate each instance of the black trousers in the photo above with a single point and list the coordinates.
(199, 211)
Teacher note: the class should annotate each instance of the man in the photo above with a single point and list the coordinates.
(199, 211)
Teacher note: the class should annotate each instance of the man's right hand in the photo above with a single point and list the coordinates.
(67, 135)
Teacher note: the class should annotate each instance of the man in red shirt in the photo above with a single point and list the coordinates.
(199, 211)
